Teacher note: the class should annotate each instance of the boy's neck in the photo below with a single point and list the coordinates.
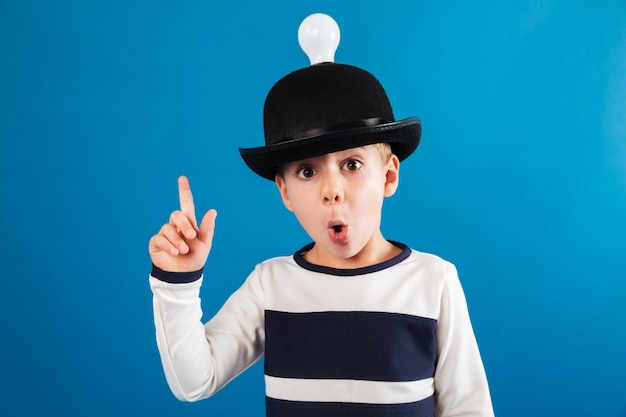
(376, 251)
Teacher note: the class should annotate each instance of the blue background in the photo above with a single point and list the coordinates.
(520, 180)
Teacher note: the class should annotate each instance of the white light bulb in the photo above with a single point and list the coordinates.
(318, 36)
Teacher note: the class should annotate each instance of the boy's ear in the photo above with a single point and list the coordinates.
(392, 176)
(282, 188)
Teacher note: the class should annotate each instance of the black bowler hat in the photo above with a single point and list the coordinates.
(326, 108)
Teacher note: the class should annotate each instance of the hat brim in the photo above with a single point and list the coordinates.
(403, 136)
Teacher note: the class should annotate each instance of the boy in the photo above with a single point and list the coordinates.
(352, 324)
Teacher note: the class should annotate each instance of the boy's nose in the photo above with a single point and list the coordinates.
(332, 191)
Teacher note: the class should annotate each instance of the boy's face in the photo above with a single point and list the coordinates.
(338, 199)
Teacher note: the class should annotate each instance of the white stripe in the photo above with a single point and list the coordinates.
(347, 390)
(412, 287)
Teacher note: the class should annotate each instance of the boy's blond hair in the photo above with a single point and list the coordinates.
(385, 150)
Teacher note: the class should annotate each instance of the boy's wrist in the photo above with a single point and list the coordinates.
(175, 277)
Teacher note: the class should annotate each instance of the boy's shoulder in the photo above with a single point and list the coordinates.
(428, 264)
(429, 258)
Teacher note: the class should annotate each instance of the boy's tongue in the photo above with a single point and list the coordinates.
(338, 234)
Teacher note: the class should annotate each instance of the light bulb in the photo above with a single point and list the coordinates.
(318, 36)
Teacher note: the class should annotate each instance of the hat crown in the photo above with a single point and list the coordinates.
(323, 98)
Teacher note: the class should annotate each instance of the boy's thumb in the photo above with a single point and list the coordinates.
(207, 226)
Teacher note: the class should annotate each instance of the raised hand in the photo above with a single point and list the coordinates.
(180, 245)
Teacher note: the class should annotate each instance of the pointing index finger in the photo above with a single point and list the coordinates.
(186, 200)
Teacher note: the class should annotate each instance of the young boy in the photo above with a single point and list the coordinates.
(352, 324)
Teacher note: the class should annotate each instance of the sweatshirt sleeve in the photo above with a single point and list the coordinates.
(460, 381)
(199, 359)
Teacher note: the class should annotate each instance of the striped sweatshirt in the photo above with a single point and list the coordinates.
(392, 339)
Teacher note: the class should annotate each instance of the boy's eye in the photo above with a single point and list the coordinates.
(352, 165)
(305, 172)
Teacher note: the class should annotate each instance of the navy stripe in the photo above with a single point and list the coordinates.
(362, 345)
(175, 277)
(282, 408)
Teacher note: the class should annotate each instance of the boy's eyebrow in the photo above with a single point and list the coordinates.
(359, 148)
(363, 148)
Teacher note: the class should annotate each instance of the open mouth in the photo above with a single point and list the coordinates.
(338, 233)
